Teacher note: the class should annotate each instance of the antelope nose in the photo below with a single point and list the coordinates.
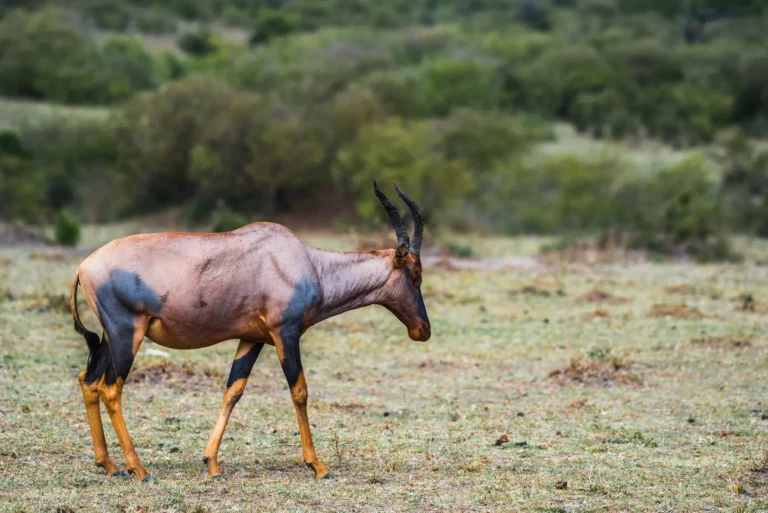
(421, 333)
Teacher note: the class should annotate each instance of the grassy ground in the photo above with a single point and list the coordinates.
(597, 376)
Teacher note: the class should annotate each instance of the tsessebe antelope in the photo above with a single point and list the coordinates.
(258, 284)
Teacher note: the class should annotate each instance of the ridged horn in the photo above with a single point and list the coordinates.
(418, 221)
(394, 216)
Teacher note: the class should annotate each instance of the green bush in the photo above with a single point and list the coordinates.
(580, 70)
(449, 84)
(44, 55)
(11, 144)
(745, 183)
(197, 42)
(481, 139)
(200, 138)
(131, 66)
(21, 184)
(112, 15)
(679, 212)
(401, 93)
(550, 194)
(534, 14)
(66, 229)
(155, 20)
(402, 151)
(271, 24)
(224, 219)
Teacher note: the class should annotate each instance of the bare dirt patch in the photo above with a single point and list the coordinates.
(599, 313)
(722, 342)
(681, 289)
(675, 311)
(601, 296)
(184, 376)
(588, 372)
(535, 290)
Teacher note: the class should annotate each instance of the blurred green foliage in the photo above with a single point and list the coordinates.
(451, 99)
(66, 229)
(224, 219)
(197, 42)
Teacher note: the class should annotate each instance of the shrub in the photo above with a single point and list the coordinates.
(21, 185)
(745, 183)
(480, 139)
(11, 144)
(271, 24)
(172, 67)
(580, 70)
(401, 93)
(679, 212)
(449, 84)
(402, 151)
(550, 194)
(155, 20)
(66, 229)
(112, 15)
(201, 138)
(158, 132)
(224, 219)
(131, 66)
(197, 42)
(46, 55)
(534, 14)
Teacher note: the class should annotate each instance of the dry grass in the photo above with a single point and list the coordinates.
(601, 296)
(675, 311)
(722, 342)
(589, 372)
(409, 426)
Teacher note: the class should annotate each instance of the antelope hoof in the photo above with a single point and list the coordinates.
(219, 478)
(149, 479)
(328, 476)
(119, 473)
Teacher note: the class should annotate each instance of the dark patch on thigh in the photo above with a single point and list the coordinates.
(119, 300)
(304, 296)
(200, 302)
(127, 290)
(241, 368)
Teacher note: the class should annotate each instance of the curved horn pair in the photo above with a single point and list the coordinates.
(414, 246)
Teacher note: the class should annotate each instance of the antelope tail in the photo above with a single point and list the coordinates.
(91, 338)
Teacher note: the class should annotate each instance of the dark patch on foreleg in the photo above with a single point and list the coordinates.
(247, 353)
(241, 367)
(292, 326)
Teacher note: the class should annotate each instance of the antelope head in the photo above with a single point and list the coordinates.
(402, 291)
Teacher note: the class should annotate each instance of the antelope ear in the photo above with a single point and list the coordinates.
(401, 256)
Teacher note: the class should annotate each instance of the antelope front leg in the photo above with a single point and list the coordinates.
(290, 360)
(246, 355)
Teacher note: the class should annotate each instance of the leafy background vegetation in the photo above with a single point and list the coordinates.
(527, 116)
